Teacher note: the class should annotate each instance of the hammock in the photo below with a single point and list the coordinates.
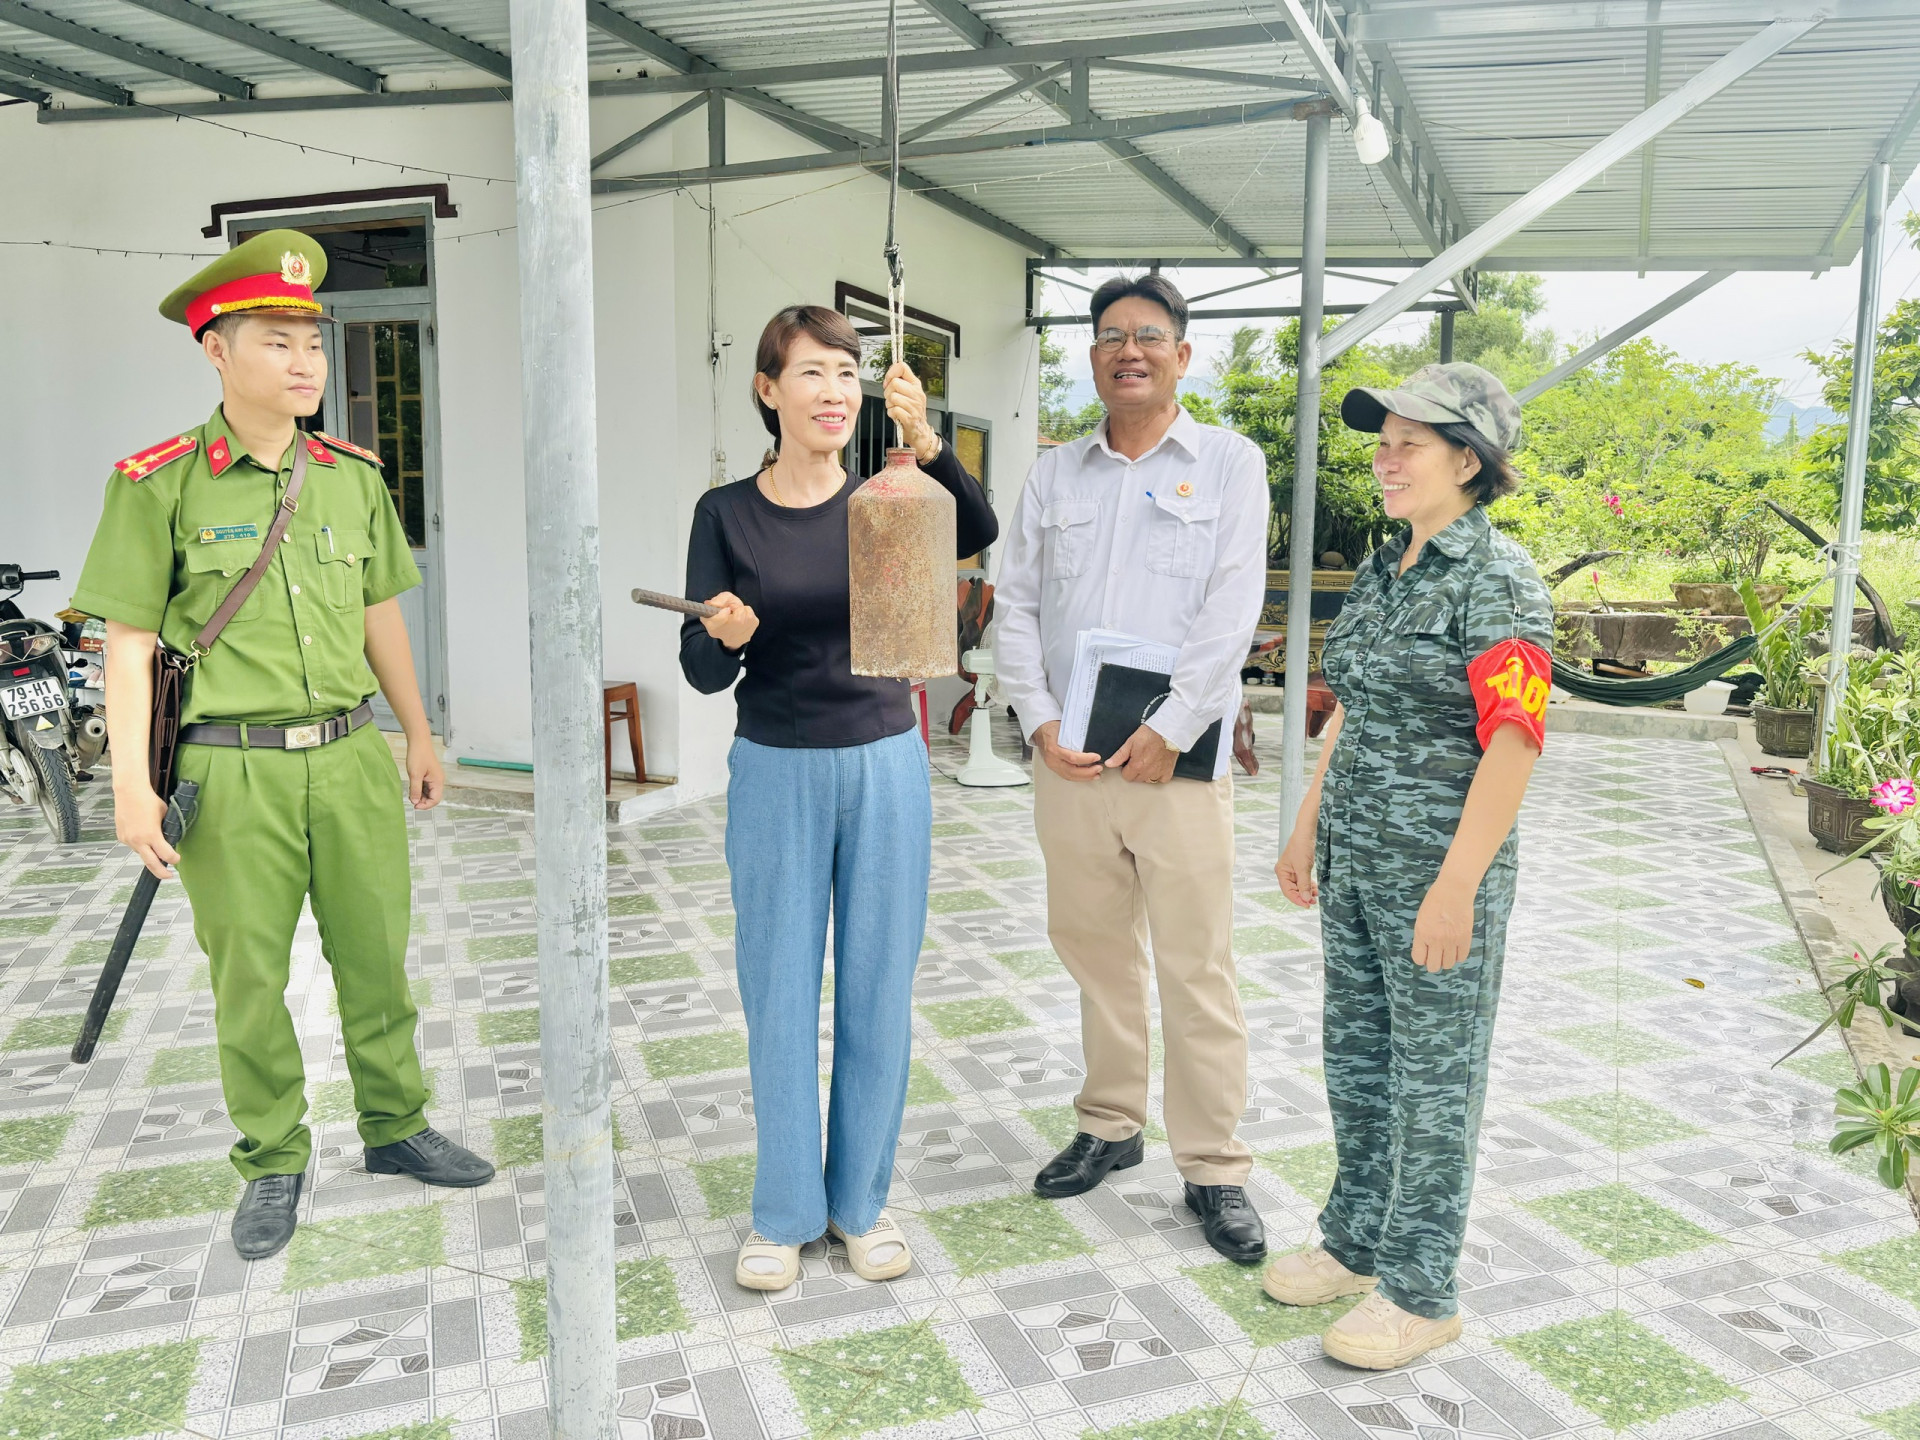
(1652, 689)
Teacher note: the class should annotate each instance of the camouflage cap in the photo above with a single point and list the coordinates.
(1440, 395)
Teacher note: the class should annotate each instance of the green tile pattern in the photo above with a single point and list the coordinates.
(1620, 1224)
(924, 1087)
(58, 1032)
(33, 1138)
(726, 1184)
(994, 1235)
(1616, 1044)
(651, 969)
(1236, 1290)
(361, 1247)
(1893, 1265)
(695, 1054)
(1309, 1169)
(1622, 1121)
(1618, 1369)
(102, 1397)
(646, 1301)
(509, 1027)
(191, 1187)
(957, 1019)
(1233, 1421)
(193, 1064)
(876, 1380)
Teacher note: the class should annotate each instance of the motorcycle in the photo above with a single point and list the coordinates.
(39, 735)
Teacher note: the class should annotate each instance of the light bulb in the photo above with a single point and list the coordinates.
(1369, 135)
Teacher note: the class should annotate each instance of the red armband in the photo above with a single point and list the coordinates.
(1510, 684)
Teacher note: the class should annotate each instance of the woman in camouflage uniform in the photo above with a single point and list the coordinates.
(1440, 660)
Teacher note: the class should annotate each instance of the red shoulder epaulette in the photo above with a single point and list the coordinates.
(138, 467)
(371, 457)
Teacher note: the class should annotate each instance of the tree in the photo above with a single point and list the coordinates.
(1056, 389)
(1500, 336)
(1646, 451)
(1201, 407)
(1893, 426)
(1258, 401)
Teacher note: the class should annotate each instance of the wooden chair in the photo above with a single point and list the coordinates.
(626, 695)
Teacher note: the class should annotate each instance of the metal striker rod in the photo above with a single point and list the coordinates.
(552, 199)
(661, 601)
(1853, 483)
(1306, 470)
(896, 273)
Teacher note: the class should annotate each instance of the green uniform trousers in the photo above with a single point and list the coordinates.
(275, 828)
(1406, 1061)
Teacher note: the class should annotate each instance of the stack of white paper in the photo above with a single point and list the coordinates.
(1092, 649)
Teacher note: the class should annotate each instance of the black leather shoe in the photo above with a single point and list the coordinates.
(1231, 1224)
(264, 1223)
(1085, 1163)
(432, 1159)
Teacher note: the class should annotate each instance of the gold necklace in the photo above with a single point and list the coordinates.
(774, 485)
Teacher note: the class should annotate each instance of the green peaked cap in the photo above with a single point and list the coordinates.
(271, 253)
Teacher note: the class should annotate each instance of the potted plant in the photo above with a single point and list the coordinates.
(1783, 710)
(1875, 737)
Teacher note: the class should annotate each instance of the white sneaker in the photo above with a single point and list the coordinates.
(1378, 1335)
(763, 1265)
(1313, 1277)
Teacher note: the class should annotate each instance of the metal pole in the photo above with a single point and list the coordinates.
(1306, 473)
(552, 158)
(1853, 474)
(1446, 337)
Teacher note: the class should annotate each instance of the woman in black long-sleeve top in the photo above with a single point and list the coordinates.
(828, 801)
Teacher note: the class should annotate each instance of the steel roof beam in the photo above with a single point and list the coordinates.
(1412, 165)
(1536, 17)
(38, 72)
(985, 102)
(216, 22)
(1212, 77)
(994, 49)
(1649, 94)
(24, 92)
(1087, 132)
(1739, 61)
(937, 62)
(389, 16)
(1895, 138)
(651, 42)
(1619, 336)
(82, 37)
(620, 147)
(1258, 312)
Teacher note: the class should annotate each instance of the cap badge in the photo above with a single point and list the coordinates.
(294, 269)
(1183, 489)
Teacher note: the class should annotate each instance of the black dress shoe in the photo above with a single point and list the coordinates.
(264, 1223)
(1231, 1224)
(1085, 1163)
(432, 1159)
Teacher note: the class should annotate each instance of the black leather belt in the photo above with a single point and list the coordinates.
(274, 737)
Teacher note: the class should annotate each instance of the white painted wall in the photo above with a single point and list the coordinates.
(89, 372)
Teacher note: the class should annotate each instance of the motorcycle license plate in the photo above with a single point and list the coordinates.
(35, 697)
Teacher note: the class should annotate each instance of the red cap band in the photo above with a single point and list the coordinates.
(272, 291)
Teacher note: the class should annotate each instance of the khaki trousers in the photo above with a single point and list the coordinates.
(1127, 862)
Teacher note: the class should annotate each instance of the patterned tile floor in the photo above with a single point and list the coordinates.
(1659, 1242)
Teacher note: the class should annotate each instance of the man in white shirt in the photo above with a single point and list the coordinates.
(1154, 525)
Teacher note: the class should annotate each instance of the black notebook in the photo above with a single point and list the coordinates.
(1123, 698)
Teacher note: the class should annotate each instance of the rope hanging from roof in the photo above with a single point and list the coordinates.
(896, 272)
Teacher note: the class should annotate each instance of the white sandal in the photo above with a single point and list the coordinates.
(763, 1265)
(880, 1254)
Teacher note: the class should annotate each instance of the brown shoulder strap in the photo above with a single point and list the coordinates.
(283, 517)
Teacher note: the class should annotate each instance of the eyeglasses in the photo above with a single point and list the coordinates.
(1147, 337)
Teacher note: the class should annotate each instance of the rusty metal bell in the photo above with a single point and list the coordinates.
(900, 542)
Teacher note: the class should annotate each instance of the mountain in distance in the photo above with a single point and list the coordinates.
(1809, 418)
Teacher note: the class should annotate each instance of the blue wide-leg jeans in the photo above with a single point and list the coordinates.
(851, 828)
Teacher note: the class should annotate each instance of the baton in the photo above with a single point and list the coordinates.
(180, 812)
(673, 602)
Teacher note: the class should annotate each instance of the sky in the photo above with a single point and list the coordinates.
(1761, 319)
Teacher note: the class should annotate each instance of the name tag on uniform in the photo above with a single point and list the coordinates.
(212, 534)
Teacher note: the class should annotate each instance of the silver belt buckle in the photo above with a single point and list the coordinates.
(304, 737)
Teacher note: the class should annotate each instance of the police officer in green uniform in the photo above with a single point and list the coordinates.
(1441, 662)
(299, 796)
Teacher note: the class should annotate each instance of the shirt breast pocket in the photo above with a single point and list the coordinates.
(212, 572)
(1422, 652)
(1182, 535)
(1066, 529)
(342, 554)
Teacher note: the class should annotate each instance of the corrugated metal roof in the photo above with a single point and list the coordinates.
(1763, 171)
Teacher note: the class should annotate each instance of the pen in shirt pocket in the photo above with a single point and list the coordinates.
(327, 530)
